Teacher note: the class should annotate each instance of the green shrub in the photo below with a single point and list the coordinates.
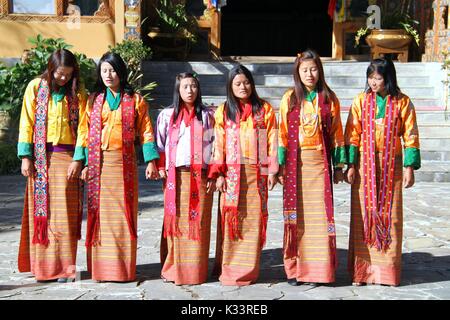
(133, 51)
(9, 163)
(14, 80)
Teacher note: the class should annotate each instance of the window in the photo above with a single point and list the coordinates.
(87, 7)
(88, 11)
(33, 6)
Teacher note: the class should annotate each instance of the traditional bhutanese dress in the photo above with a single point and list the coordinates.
(108, 133)
(373, 134)
(311, 141)
(184, 146)
(244, 153)
(52, 212)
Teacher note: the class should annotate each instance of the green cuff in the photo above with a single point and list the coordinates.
(150, 152)
(282, 156)
(24, 149)
(80, 154)
(352, 154)
(412, 158)
(339, 156)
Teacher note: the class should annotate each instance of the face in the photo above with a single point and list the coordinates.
(109, 76)
(376, 82)
(188, 90)
(241, 87)
(309, 74)
(62, 75)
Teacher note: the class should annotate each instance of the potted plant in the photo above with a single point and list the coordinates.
(176, 31)
(397, 30)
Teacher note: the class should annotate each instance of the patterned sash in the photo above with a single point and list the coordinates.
(377, 208)
(170, 218)
(40, 235)
(128, 132)
(230, 212)
(290, 195)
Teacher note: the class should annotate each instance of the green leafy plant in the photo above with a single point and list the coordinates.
(174, 19)
(133, 51)
(14, 80)
(9, 162)
(393, 19)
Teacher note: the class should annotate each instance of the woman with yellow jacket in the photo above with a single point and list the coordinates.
(311, 144)
(52, 106)
(378, 120)
(244, 165)
(115, 118)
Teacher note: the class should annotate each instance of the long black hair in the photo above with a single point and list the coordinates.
(384, 67)
(119, 67)
(63, 58)
(299, 88)
(177, 102)
(232, 105)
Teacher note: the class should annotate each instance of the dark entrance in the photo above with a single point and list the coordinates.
(275, 27)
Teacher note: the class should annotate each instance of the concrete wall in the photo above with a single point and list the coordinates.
(91, 39)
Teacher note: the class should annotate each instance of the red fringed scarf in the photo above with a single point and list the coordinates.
(170, 213)
(128, 132)
(230, 212)
(290, 186)
(377, 209)
(40, 235)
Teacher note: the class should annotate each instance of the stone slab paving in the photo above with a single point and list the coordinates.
(426, 254)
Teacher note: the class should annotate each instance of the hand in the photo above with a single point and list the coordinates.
(350, 175)
(150, 171)
(74, 170)
(272, 181)
(210, 186)
(338, 176)
(408, 177)
(27, 167)
(162, 174)
(84, 174)
(281, 173)
(221, 184)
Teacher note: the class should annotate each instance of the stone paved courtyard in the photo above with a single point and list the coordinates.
(426, 254)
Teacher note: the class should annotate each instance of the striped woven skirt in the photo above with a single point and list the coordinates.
(237, 261)
(114, 259)
(185, 261)
(314, 261)
(365, 264)
(58, 259)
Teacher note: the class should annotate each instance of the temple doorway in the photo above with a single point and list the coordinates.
(275, 28)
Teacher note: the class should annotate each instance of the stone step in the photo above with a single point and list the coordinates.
(427, 155)
(168, 79)
(434, 144)
(433, 171)
(331, 68)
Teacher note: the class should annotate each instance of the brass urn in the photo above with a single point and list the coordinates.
(389, 38)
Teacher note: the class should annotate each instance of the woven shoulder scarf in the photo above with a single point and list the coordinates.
(378, 205)
(128, 132)
(290, 196)
(230, 212)
(170, 213)
(40, 235)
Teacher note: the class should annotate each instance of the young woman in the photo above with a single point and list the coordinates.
(115, 117)
(244, 166)
(184, 136)
(52, 106)
(378, 119)
(311, 144)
